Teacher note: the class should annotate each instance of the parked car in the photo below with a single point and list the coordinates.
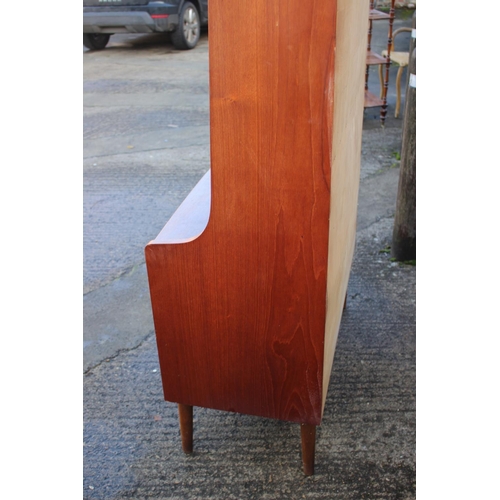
(181, 18)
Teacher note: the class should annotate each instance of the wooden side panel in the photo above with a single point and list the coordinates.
(240, 311)
(352, 26)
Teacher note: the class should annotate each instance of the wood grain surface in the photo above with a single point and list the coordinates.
(346, 159)
(240, 310)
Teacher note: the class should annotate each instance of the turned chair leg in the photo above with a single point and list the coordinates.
(398, 90)
(308, 435)
(381, 79)
(186, 425)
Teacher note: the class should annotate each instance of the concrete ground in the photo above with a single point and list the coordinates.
(146, 144)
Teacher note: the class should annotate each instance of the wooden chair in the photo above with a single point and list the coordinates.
(248, 278)
(401, 60)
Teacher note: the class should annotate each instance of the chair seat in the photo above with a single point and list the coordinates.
(400, 58)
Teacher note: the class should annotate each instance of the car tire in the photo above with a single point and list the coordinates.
(187, 33)
(95, 41)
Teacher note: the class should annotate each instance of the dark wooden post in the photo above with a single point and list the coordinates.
(404, 234)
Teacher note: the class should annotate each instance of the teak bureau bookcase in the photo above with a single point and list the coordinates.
(249, 276)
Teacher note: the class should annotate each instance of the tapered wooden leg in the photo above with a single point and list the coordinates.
(186, 425)
(308, 435)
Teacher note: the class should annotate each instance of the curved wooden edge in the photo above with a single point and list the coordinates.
(396, 33)
(191, 218)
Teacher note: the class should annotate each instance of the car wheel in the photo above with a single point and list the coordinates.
(95, 41)
(187, 33)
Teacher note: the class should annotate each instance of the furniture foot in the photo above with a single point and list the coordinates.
(186, 425)
(345, 302)
(308, 435)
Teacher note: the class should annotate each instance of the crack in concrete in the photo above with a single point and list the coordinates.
(123, 274)
(378, 219)
(118, 353)
(141, 151)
